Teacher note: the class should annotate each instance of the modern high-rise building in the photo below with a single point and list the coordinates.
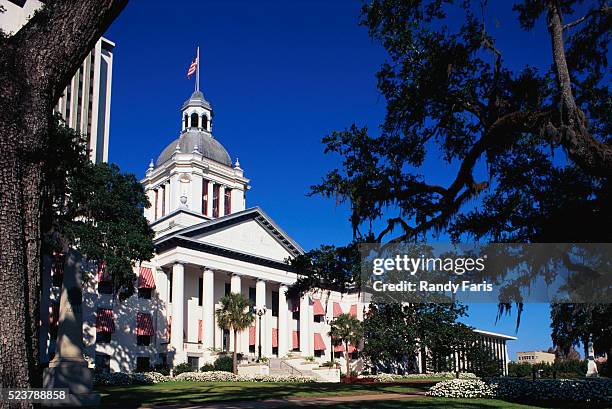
(86, 101)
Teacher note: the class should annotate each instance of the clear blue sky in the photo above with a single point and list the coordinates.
(280, 75)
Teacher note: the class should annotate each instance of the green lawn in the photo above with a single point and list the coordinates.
(198, 392)
(442, 403)
(184, 393)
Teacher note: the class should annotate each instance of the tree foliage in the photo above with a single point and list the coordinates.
(346, 330)
(574, 324)
(396, 334)
(543, 134)
(235, 316)
(329, 268)
(93, 208)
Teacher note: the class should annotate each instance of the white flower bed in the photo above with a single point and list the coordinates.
(219, 376)
(277, 378)
(462, 388)
(136, 378)
(569, 390)
(211, 376)
(385, 377)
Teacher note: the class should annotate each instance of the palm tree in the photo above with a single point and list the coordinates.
(235, 315)
(346, 329)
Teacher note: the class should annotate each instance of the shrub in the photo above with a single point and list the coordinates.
(559, 390)
(462, 388)
(182, 368)
(224, 363)
(384, 377)
(123, 379)
(207, 368)
(162, 369)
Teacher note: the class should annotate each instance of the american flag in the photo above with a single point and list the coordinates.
(192, 68)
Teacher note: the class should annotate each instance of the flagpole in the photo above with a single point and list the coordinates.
(197, 84)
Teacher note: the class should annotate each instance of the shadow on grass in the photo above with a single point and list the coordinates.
(173, 393)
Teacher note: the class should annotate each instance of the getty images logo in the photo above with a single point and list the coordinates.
(412, 265)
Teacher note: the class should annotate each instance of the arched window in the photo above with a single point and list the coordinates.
(186, 121)
(204, 122)
(194, 120)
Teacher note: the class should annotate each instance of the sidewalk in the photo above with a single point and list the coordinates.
(298, 402)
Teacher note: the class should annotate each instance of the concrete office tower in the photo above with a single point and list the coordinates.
(86, 101)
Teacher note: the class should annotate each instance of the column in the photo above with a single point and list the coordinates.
(208, 308)
(260, 302)
(178, 281)
(505, 358)
(284, 334)
(235, 284)
(306, 337)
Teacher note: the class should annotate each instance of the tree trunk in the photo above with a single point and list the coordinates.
(235, 355)
(348, 363)
(590, 154)
(35, 65)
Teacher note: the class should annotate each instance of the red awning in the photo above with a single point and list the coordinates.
(351, 349)
(353, 310)
(274, 337)
(199, 330)
(251, 335)
(337, 310)
(144, 324)
(53, 315)
(104, 320)
(319, 345)
(296, 339)
(103, 275)
(145, 278)
(339, 348)
(318, 308)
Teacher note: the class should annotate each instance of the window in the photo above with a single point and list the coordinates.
(102, 363)
(145, 293)
(186, 121)
(194, 120)
(200, 291)
(155, 205)
(252, 298)
(227, 205)
(143, 340)
(252, 349)
(296, 315)
(170, 286)
(143, 364)
(319, 318)
(103, 337)
(216, 200)
(163, 201)
(228, 288)
(275, 351)
(275, 303)
(162, 359)
(205, 197)
(354, 355)
(194, 362)
(204, 122)
(318, 353)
